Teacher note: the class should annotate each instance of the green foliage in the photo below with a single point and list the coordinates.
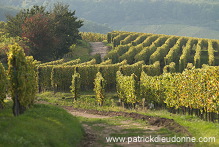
(22, 79)
(130, 54)
(109, 74)
(93, 37)
(119, 37)
(151, 88)
(192, 89)
(186, 53)
(76, 85)
(211, 60)
(136, 69)
(116, 52)
(152, 70)
(129, 38)
(139, 39)
(196, 127)
(31, 81)
(99, 88)
(91, 62)
(55, 62)
(163, 50)
(58, 77)
(190, 66)
(6, 40)
(127, 88)
(197, 57)
(150, 46)
(113, 34)
(88, 74)
(61, 77)
(171, 68)
(51, 33)
(38, 30)
(45, 70)
(44, 77)
(173, 54)
(106, 62)
(3, 85)
(72, 62)
(97, 57)
(65, 27)
(196, 89)
(14, 23)
(81, 50)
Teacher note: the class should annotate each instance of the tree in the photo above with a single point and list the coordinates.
(32, 24)
(22, 79)
(14, 23)
(51, 33)
(66, 28)
(37, 29)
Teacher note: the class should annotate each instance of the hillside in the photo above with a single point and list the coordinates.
(165, 49)
(188, 17)
(172, 29)
(88, 26)
(124, 90)
(6, 11)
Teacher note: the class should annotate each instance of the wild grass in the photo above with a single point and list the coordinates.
(80, 50)
(42, 125)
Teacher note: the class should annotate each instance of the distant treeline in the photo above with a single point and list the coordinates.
(202, 13)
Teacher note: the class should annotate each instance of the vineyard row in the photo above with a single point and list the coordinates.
(150, 48)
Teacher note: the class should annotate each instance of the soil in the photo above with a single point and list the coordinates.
(99, 48)
(152, 125)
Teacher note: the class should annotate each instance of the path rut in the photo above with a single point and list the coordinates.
(97, 138)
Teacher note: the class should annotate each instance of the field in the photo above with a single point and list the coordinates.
(150, 48)
(161, 80)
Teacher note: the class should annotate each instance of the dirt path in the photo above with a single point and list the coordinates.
(99, 48)
(98, 126)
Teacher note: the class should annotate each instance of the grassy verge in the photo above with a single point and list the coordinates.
(198, 128)
(81, 50)
(42, 125)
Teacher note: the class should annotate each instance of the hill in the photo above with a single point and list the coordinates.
(187, 16)
(90, 26)
(151, 48)
(172, 29)
(7, 11)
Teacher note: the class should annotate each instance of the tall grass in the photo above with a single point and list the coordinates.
(42, 125)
